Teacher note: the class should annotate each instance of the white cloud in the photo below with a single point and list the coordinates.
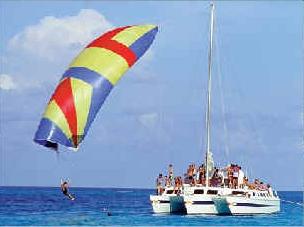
(43, 50)
(149, 119)
(52, 38)
(6, 82)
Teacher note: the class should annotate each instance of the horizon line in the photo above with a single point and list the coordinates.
(97, 187)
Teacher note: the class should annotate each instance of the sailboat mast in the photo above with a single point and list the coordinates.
(208, 113)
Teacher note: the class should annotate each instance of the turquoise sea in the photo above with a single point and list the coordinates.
(46, 206)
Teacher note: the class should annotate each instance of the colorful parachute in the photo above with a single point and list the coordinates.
(88, 81)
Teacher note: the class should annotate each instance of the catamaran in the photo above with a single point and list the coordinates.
(215, 200)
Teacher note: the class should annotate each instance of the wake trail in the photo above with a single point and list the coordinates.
(292, 202)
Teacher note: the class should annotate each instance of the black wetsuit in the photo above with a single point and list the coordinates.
(64, 190)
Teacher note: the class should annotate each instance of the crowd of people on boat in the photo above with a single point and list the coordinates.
(231, 176)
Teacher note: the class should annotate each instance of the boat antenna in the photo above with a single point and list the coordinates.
(208, 117)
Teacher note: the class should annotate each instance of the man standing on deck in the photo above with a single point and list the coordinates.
(170, 174)
(241, 178)
(159, 183)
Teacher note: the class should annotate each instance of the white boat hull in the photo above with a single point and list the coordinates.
(229, 201)
(200, 205)
(160, 204)
(167, 204)
(252, 206)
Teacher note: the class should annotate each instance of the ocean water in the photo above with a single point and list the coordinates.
(129, 207)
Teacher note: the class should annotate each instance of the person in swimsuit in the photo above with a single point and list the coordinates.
(230, 175)
(159, 183)
(64, 188)
(170, 174)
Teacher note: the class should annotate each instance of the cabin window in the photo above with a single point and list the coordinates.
(212, 192)
(253, 193)
(199, 191)
(237, 193)
(169, 191)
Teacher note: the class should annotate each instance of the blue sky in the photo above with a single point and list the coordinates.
(155, 115)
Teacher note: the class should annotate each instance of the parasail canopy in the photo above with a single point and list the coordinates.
(88, 81)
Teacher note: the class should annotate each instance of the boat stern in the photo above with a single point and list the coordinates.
(160, 204)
